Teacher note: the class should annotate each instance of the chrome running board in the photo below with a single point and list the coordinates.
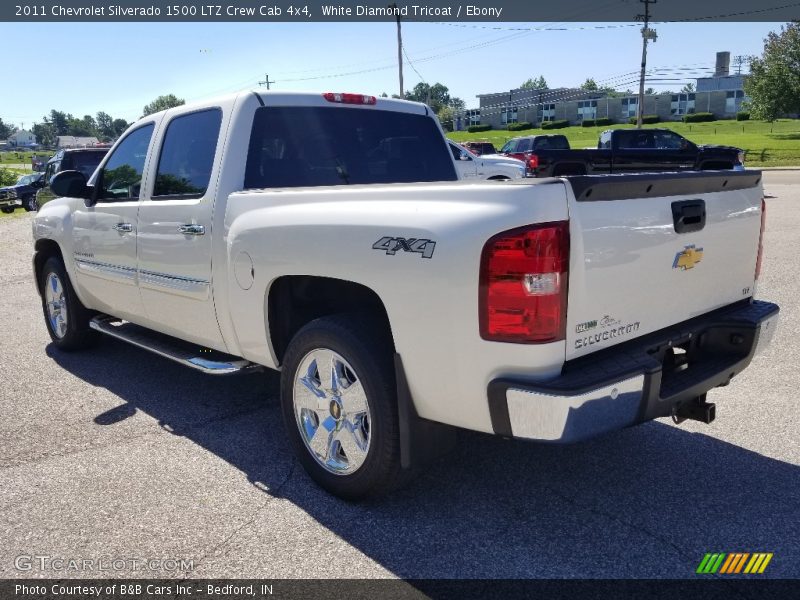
(185, 353)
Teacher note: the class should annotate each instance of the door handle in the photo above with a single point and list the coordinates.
(123, 227)
(192, 229)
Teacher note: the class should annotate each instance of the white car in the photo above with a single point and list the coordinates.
(487, 166)
(327, 236)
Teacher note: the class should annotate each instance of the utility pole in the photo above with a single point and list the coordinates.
(647, 34)
(399, 48)
(266, 81)
(739, 60)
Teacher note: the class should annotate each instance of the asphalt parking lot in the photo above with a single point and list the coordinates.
(121, 454)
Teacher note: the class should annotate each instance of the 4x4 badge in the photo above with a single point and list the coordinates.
(393, 244)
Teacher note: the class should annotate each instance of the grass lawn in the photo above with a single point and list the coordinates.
(768, 144)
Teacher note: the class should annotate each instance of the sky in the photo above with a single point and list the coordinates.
(83, 68)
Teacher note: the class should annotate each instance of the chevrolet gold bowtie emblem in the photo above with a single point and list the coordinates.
(687, 258)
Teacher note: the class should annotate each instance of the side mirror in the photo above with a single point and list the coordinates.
(71, 184)
(464, 155)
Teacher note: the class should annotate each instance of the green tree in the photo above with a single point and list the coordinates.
(80, 127)
(120, 125)
(105, 126)
(589, 85)
(535, 83)
(446, 116)
(437, 96)
(688, 89)
(60, 122)
(774, 82)
(45, 133)
(5, 130)
(162, 103)
(650, 91)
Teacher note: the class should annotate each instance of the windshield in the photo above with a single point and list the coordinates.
(314, 146)
(25, 180)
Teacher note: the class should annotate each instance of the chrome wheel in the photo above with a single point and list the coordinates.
(56, 305)
(332, 411)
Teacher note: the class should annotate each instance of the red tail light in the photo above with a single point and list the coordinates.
(349, 98)
(523, 284)
(761, 237)
(533, 162)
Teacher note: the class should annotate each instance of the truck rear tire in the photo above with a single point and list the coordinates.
(7, 209)
(66, 318)
(339, 404)
(29, 204)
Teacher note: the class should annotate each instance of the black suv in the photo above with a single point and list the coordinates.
(22, 193)
(84, 160)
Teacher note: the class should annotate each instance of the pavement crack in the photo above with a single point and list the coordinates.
(274, 495)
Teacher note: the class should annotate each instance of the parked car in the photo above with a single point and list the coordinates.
(480, 147)
(84, 160)
(634, 151)
(472, 166)
(327, 236)
(22, 193)
(522, 147)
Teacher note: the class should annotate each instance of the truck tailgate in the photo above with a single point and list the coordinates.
(649, 251)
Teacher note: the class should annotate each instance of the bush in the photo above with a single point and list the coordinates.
(743, 115)
(646, 119)
(588, 123)
(519, 126)
(699, 117)
(479, 128)
(7, 177)
(603, 121)
(560, 124)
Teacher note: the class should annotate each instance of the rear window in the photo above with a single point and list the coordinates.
(315, 146)
(86, 162)
(556, 142)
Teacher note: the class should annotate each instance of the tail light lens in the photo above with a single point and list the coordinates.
(523, 284)
(761, 237)
(532, 164)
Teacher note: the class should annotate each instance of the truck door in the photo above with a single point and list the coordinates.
(104, 235)
(649, 151)
(174, 229)
(465, 164)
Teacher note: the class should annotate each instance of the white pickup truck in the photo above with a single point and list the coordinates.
(493, 167)
(327, 236)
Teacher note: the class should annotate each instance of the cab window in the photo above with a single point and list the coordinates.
(187, 155)
(121, 176)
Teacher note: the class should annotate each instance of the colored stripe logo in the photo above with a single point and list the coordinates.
(731, 563)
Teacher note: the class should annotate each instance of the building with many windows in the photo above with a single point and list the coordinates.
(722, 95)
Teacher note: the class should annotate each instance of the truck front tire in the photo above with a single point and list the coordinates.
(66, 318)
(339, 404)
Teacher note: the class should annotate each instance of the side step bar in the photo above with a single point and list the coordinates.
(185, 353)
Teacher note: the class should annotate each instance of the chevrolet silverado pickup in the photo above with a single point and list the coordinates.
(623, 151)
(327, 236)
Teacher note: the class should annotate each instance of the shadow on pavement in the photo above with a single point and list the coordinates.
(645, 502)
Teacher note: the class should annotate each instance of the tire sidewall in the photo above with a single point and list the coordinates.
(75, 336)
(378, 383)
